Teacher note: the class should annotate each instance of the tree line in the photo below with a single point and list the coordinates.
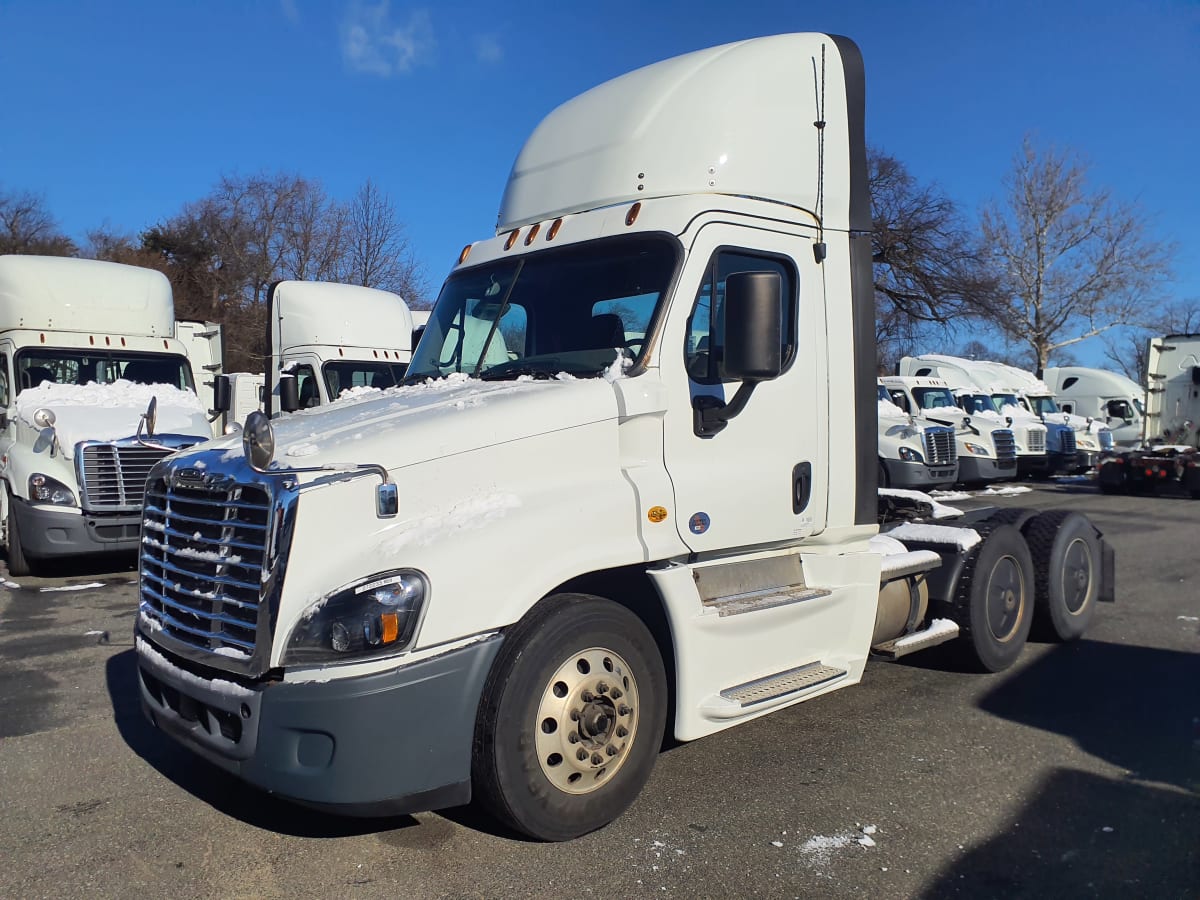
(1054, 261)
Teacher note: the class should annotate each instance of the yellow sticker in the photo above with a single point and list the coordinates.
(657, 514)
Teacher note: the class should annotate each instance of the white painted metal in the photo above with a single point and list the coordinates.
(1104, 396)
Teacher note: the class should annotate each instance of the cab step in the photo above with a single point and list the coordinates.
(937, 632)
(768, 598)
(792, 681)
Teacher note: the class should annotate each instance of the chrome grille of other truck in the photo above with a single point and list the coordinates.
(1068, 440)
(940, 449)
(203, 555)
(1106, 439)
(112, 474)
(1006, 444)
(1035, 440)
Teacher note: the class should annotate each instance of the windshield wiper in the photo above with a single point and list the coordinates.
(542, 368)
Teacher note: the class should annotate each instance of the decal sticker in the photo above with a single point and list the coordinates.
(657, 514)
(699, 523)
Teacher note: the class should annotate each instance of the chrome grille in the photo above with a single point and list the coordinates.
(1006, 444)
(113, 476)
(1106, 439)
(1068, 440)
(203, 554)
(1035, 440)
(940, 447)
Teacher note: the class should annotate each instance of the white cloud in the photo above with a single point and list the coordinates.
(372, 43)
(488, 49)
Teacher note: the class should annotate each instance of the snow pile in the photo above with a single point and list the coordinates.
(949, 495)
(155, 660)
(106, 412)
(940, 511)
(72, 587)
(889, 410)
(361, 391)
(963, 538)
(1008, 490)
(618, 366)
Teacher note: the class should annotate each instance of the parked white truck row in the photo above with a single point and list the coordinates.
(628, 484)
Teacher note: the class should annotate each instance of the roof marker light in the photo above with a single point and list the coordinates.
(632, 215)
(92, 339)
(466, 251)
(512, 238)
(553, 232)
(533, 232)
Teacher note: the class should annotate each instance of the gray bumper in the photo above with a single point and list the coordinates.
(903, 474)
(975, 468)
(395, 742)
(46, 533)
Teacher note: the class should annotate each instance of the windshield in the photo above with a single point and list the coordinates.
(1003, 400)
(934, 398)
(1137, 404)
(62, 366)
(568, 310)
(976, 404)
(1043, 406)
(346, 374)
(884, 396)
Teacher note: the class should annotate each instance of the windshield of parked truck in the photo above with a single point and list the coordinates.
(934, 398)
(1043, 406)
(67, 366)
(346, 374)
(1001, 400)
(570, 310)
(975, 404)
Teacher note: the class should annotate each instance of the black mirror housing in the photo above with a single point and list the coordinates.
(753, 326)
(222, 394)
(289, 393)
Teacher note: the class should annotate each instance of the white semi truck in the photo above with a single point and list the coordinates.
(83, 346)
(985, 447)
(1102, 396)
(1170, 457)
(629, 486)
(914, 452)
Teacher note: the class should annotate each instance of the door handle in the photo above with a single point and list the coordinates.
(801, 486)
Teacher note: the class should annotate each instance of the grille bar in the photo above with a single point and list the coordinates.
(1006, 444)
(940, 449)
(113, 476)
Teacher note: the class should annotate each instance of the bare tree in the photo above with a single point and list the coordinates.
(1128, 351)
(1073, 261)
(927, 268)
(378, 252)
(26, 226)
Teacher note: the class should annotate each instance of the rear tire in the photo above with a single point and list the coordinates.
(883, 476)
(578, 675)
(993, 601)
(1067, 571)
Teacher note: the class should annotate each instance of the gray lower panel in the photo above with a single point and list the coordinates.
(398, 741)
(46, 533)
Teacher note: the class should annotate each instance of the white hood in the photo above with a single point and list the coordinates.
(105, 412)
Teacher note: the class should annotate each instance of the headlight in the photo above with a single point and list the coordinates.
(43, 489)
(372, 617)
(909, 455)
(977, 449)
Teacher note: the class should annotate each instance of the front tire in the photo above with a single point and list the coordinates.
(1067, 566)
(18, 563)
(571, 719)
(993, 602)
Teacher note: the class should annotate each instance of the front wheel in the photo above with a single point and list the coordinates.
(18, 563)
(571, 719)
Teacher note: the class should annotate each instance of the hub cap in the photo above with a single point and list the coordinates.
(1076, 575)
(586, 721)
(1005, 598)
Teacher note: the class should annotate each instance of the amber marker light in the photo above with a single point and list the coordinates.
(391, 627)
(533, 232)
(512, 238)
(632, 215)
(553, 232)
(466, 251)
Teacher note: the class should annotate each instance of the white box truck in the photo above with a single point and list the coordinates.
(1170, 457)
(1101, 396)
(83, 346)
(630, 485)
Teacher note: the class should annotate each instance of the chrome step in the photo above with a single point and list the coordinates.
(937, 632)
(790, 682)
(752, 601)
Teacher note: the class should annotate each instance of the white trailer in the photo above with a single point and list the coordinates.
(632, 472)
(83, 346)
(1102, 396)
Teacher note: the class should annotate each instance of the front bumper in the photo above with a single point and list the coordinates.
(48, 533)
(976, 468)
(394, 742)
(903, 474)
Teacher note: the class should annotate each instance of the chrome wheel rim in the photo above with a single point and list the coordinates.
(1076, 576)
(586, 721)
(1005, 598)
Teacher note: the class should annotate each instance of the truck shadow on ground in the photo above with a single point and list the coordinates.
(1086, 834)
(80, 566)
(210, 784)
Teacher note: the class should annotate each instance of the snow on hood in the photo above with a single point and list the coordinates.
(105, 412)
(406, 425)
(889, 410)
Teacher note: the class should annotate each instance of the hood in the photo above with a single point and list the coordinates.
(403, 426)
(105, 412)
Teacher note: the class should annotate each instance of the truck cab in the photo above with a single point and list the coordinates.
(84, 345)
(913, 451)
(986, 448)
(1101, 397)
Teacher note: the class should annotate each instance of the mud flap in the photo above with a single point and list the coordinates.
(1108, 573)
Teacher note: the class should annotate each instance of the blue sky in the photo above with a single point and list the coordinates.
(119, 113)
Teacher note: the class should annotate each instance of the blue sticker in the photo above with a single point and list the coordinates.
(699, 523)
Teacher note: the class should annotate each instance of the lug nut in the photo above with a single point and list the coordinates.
(581, 755)
(597, 759)
(574, 715)
(573, 737)
(587, 696)
(624, 710)
(616, 693)
(610, 750)
(602, 687)
(622, 731)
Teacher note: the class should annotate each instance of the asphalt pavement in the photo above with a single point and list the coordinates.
(1074, 774)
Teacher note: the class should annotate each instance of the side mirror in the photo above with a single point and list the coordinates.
(289, 393)
(416, 336)
(753, 326)
(222, 394)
